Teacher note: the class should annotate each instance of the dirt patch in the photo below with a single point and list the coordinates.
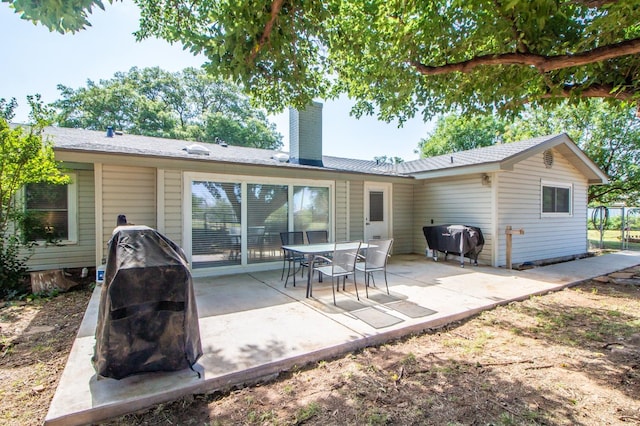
(36, 335)
(570, 357)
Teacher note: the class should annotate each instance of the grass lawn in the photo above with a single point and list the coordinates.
(610, 239)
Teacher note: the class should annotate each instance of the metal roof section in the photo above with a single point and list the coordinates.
(480, 160)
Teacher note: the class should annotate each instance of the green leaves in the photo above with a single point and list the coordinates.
(24, 158)
(61, 16)
(188, 105)
(607, 131)
(397, 58)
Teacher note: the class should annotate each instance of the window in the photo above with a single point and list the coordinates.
(266, 217)
(376, 206)
(310, 208)
(237, 220)
(51, 212)
(216, 231)
(556, 199)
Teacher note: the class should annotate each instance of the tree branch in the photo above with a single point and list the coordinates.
(276, 7)
(540, 62)
(594, 3)
(593, 91)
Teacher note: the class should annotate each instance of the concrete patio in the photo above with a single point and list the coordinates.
(252, 327)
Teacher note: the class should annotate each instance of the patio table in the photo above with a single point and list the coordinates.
(313, 250)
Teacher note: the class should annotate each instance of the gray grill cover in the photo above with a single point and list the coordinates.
(148, 319)
(455, 239)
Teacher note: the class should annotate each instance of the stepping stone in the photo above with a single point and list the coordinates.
(40, 329)
(623, 275)
(626, 281)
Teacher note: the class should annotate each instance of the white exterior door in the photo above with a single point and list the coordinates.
(377, 211)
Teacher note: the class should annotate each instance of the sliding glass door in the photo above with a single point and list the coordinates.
(239, 222)
(216, 228)
(267, 207)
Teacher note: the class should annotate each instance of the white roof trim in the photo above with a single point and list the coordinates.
(562, 143)
(458, 171)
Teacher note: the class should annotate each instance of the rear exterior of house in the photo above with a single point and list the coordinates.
(226, 209)
(494, 200)
(539, 186)
(548, 235)
(163, 198)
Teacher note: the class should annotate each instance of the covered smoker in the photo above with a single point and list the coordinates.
(148, 319)
(462, 240)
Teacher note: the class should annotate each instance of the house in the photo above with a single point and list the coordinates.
(225, 205)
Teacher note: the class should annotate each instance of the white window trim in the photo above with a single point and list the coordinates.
(72, 211)
(555, 184)
(190, 177)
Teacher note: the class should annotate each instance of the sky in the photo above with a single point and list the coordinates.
(35, 61)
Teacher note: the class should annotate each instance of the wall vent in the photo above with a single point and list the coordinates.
(547, 158)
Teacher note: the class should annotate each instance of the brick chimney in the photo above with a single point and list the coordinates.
(305, 135)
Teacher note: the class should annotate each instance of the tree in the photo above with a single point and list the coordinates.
(400, 56)
(384, 159)
(607, 133)
(62, 16)
(397, 58)
(461, 132)
(24, 158)
(185, 105)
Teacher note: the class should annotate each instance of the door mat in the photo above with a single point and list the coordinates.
(410, 309)
(376, 318)
(382, 298)
(350, 305)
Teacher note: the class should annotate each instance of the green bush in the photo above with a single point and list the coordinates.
(13, 269)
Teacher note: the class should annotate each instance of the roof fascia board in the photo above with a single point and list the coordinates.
(458, 171)
(541, 147)
(159, 161)
(598, 176)
(589, 168)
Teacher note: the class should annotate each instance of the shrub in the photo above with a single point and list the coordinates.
(13, 269)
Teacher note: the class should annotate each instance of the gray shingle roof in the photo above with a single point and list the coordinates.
(485, 155)
(95, 141)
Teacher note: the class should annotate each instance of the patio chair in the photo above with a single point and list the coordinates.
(375, 260)
(235, 237)
(317, 237)
(342, 263)
(290, 258)
(255, 241)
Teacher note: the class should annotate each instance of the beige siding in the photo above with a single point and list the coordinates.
(455, 200)
(73, 255)
(519, 198)
(356, 210)
(403, 207)
(341, 211)
(173, 205)
(130, 191)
